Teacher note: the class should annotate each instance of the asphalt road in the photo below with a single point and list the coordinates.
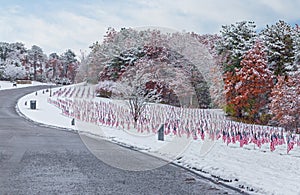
(41, 160)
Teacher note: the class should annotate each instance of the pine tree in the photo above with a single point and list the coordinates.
(37, 59)
(279, 47)
(69, 65)
(54, 63)
(4, 50)
(296, 47)
(236, 40)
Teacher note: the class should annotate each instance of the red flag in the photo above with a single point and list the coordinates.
(228, 138)
(272, 147)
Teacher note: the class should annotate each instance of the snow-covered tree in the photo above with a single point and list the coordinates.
(210, 41)
(138, 98)
(236, 40)
(37, 59)
(126, 51)
(36, 64)
(133, 91)
(11, 54)
(296, 44)
(13, 72)
(83, 68)
(17, 54)
(251, 85)
(279, 47)
(115, 45)
(70, 65)
(110, 88)
(285, 104)
(4, 50)
(154, 71)
(94, 63)
(200, 63)
(161, 57)
(119, 64)
(53, 66)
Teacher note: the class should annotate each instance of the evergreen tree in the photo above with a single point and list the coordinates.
(296, 44)
(54, 64)
(4, 50)
(70, 65)
(279, 47)
(236, 40)
(37, 59)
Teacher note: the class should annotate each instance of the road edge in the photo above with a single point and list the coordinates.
(213, 179)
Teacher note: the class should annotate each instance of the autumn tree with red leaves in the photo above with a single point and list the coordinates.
(285, 104)
(248, 89)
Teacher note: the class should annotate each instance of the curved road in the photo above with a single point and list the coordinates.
(42, 160)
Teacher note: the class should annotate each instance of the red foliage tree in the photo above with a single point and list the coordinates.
(248, 89)
(285, 104)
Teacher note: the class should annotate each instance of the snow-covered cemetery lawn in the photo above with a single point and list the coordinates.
(10, 85)
(194, 138)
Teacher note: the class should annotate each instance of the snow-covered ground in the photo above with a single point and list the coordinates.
(252, 169)
(9, 85)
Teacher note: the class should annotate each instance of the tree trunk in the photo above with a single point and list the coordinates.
(34, 71)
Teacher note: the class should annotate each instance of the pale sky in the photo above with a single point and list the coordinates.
(57, 25)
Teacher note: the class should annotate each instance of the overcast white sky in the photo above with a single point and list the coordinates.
(57, 25)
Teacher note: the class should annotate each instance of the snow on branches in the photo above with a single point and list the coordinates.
(285, 104)
(296, 46)
(236, 40)
(178, 60)
(12, 61)
(13, 72)
(279, 47)
(18, 62)
(248, 89)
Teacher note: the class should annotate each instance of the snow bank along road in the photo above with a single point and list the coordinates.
(36, 159)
